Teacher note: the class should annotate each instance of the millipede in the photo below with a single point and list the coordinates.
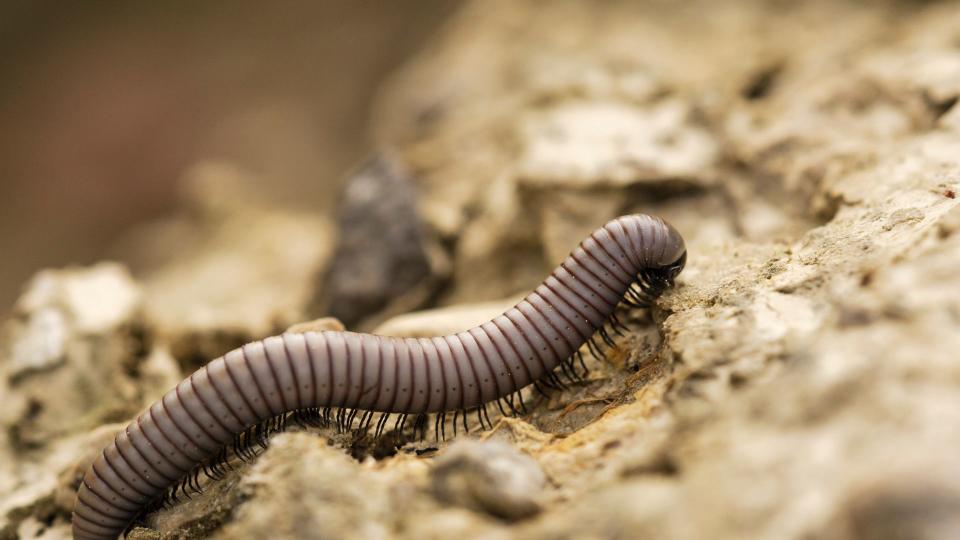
(235, 402)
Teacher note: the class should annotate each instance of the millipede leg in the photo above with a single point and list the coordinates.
(381, 423)
(566, 366)
(350, 418)
(263, 431)
(487, 415)
(500, 406)
(582, 363)
(594, 348)
(420, 424)
(523, 406)
(364, 422)
(606, 337)
(509, 401)
(618, 325)
(183, 490)
(555, 381)
(480, 418)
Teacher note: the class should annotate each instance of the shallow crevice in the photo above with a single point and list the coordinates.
(762, 83)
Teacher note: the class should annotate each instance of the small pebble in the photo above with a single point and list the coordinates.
(491, 477)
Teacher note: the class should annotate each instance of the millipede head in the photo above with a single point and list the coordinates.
(671, 271)
(664, 262)
(674, 252)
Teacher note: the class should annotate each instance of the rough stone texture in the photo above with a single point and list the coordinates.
(72, 351)
(351, 501)
(800, 382)
(89, 346)
(231, 268)
(492, 477)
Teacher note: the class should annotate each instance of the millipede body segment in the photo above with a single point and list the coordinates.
(631, 259)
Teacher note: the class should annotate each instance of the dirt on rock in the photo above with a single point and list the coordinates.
(801, 381)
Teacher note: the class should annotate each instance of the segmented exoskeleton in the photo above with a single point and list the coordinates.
(331, 377)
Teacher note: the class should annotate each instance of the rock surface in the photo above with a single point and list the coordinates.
(230, 269)
(443, 321)
(800, 382)
(384, 259)
(491, 477)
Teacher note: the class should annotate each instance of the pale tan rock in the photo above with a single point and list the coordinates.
(248, 271)
(492, 477)
(61, 304)
(598, 143)
(66, 351)
(44, 487)
(444, 523)
(444, 321)
(317, 325)
(320, 492)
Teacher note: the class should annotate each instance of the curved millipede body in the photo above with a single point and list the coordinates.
(631, 259)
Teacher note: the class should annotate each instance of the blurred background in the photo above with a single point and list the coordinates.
(103, 105)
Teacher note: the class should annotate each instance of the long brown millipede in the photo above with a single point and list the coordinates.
(330, 377)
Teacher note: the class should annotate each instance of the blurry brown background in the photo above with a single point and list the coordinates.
(104, 105)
